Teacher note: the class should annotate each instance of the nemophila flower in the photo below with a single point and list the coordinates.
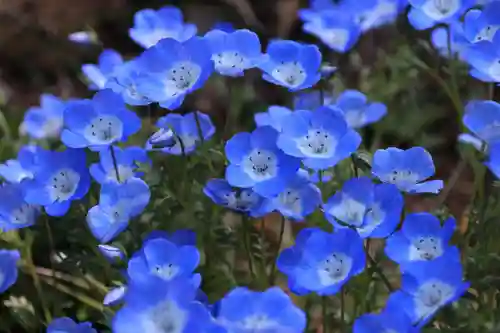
(8, 268)
(372, 209)
(421, 238)
(67, 325)
(321, 138)
(123, 81)
(299, 198)
(115, 296)
(179, 237)
(224, 26)
(61, 177)
(127, 160)
(162, 308)
(99, 122)
(320, 176)
(162, 260)
(392, 319)
(357, 110)
(273, 117)
(83, 37)
(111, 253)
(407, 169)
(371, 14)
(427, 286)
(15, 213)
(482, 25)
(173, 70)
(118, 203)
(242, 200)
(151, 26)
(440, 40)
(234, 52)
(482, 118)
(484, 57)
(312, 100)
(256, 162)
(425, 14)
(493, 161)
(337, 29)
(15, 171)
(44, 121)
(186, 134)
(291, 65)
(322, 262)
(244, 310)
(97, 75)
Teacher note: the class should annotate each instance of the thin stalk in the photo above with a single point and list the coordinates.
(198, 127)
(324, 313)
(115, 164)
(272, 276)
(246, 244)
(453, 78)
(377, 269)
(307, 310)
(342, 310)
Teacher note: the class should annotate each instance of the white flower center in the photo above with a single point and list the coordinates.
(229, 60)
(120, 212)
(261, 165)
(165, 317)
(426, 248)
(23, 214)
(259, 322)
(317, 143)
(494, 70)
(349, 211)
(181, 77)
(440, 9)
(432, 295)
(335, 38)
(355, 118)
(334, 269)
(52, 127)
(63, 184)
(291, 201)
(373, 218)
(290, 73)
(487, 33)
(402, 178)
(125, 172)
(166, 272)
(104, 129)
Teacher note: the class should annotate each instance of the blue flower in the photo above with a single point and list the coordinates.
(242, 200)
(482, 25)
(256, 162)
(482, 118)
(111, 253)
(421, 238)
(407, 169)
(179, 237)
(374, 210)
(273, 117)
(484, 57)
(322, 262)
(186, 134)
(358, 112)
(427, 286)
(311, 100)
(118, 203)
(322, 138)
(151, 26)
(45, 121)
(459, 43)
(163, 307)
(97, 75)
(15, 213)
(292, 65)
(61, 176)
(425, 14)
(493, 161)
(124, 80)
(234, 52)
(337, 29)
(391, 319)
(67, 325)
(126, 161)
(8, 268)
(371, 14)
(224, 26)
(243, 310)
(15, 171)
(160, 259)
(115, 296)
(173, 69)
(299, 198)
(99, 122)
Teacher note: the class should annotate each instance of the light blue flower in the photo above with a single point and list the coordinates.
(67, 325)
(97, 75)
(391, 319)
(151, 26)
(321, 138)
(493, 160)
(357, 110)
(123, 81)
(482, 25)
(8, 268)
(459, 43)
(482, 118)
(484, 57)
(15, 213)
(15, 171)
(371, 14)
(45, 121)
(425, 14)
(127, 160)
(273, 117)
(407, 169)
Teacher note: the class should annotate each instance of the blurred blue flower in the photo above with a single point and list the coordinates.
(186, 134)
(371, 14)
(484, 57)
(61, 176)
(459, 43)
(118, 203)
(291, 65)
(273, 117)
(15, 171)
(256, 162)
(337, 29)
(8, 268)
(163, 138)
(357, 110)
(224, 26)
(322, 138)
(126, 162)
(234, 52)
(421, 238)
(407, 169)
(374, 210)
(242, 200)
(391, 319)
(97, 75)
(15, 213)
(311, 100)
(298, 199)
(482, 25)
(173, 69)
(429, 285)
(151, 26)
(115, 296)
(99, 122)
(44, 121)
(322, 262)
(243, 310)
(179, 237)
(111, 253)
(123, 81)
(67, 325)
(425, 14)
(482, 118)
(493, 160)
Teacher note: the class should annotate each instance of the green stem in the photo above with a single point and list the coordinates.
(115, 164)
(272, 276)
(377, 269)
(342, 310)
(246, 244)
(307, 310)
(324, 313)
